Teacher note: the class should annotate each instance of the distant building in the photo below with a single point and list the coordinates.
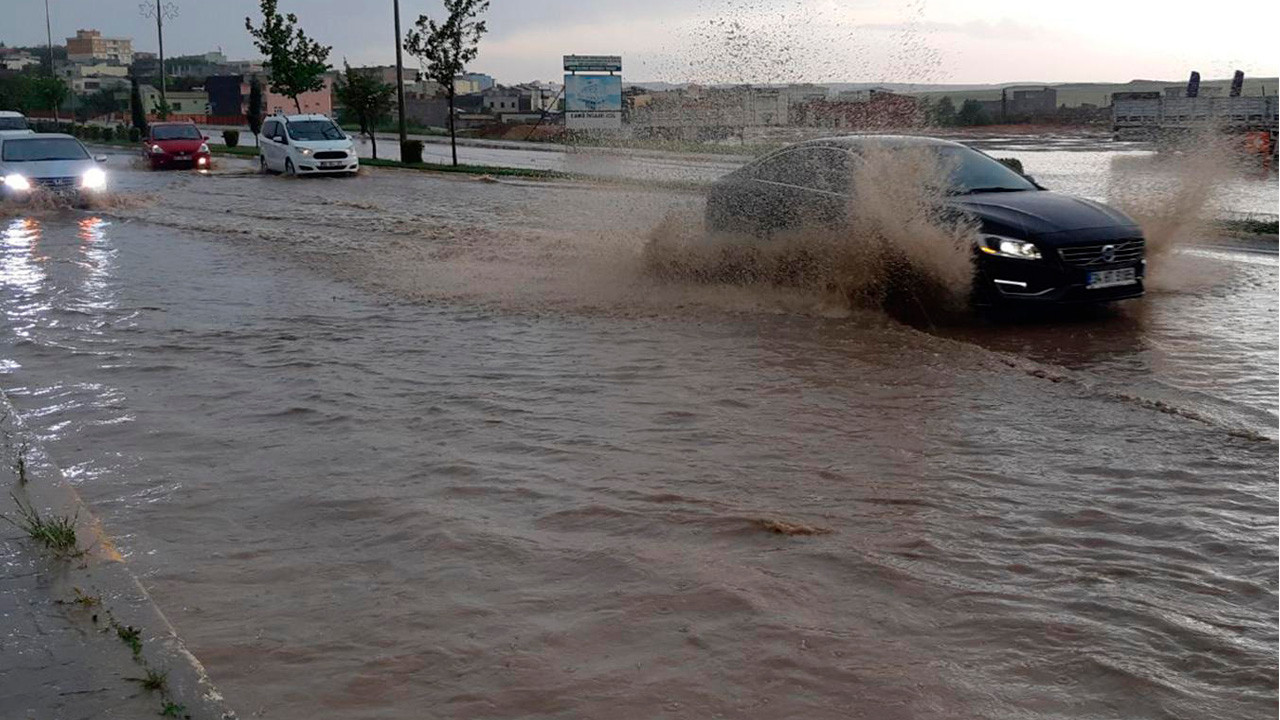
(88, 46)
(84, 79)
(1145, 114)
(387, 74)
(880, 110)
(469, 83)
(188, 102)
(228, 96)
(17, 59)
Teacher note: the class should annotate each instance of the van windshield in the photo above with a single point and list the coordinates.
(37, 149)
(315, 130)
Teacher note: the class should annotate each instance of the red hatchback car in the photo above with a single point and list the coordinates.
(176, 144)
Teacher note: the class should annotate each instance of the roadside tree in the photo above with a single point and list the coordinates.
(48, 93)
(943, 112)
(254, 116)
(365, 99)
(137, 113)
(972, 113)
(447, 47)
(297, 62)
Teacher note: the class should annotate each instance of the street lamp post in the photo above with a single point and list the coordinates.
(160, 13)
(48, 33)
(404, 135)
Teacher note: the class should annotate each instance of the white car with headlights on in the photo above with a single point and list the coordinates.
(306, 145)
(48, 163)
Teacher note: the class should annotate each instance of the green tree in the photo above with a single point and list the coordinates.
(48, 93)
(162, 110)
(366, 99)
(943, 112)
(447, 48)
(15, 92)
(297, 62)
(972, 113)
(137, 113)
(102, 102)
(254, 116)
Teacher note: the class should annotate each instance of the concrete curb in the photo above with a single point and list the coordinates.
(99, 570)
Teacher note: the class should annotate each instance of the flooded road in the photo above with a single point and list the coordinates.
(408, 442)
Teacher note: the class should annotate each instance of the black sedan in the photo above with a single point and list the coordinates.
(1034, 245)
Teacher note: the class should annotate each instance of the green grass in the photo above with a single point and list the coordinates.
(173, 709)
(471, 169)
(131, 636)
(153, 680)
(1253, 227)
(57, 533)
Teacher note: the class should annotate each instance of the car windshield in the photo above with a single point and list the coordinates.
(43, 149)
(973, 172)
(315, 130)
(13, 123)
(175, 132)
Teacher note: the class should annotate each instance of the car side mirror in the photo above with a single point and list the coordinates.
(204, 137)
(100, 158)
(278, 138)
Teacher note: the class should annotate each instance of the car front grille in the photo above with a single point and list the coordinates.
(57, 182)
(331, 155)
(1120, 251)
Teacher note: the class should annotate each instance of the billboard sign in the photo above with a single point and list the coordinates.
(592, 93)
(592, 102)
(593, 120)
(593, 63)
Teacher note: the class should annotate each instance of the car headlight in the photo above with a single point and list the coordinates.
(204, 148)
(93, 179)
(305, 151)
(1009, 247)
(16, 182)
(157, 150)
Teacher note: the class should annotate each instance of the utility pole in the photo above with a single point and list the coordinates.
(48, 33)
(404, 134)
(160, 13)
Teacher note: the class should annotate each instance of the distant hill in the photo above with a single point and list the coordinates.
(1069, 94)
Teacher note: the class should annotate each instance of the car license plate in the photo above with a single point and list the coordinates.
(1110, 278)
(336, 163)
(182, 156)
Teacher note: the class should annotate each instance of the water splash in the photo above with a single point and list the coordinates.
(897, 243)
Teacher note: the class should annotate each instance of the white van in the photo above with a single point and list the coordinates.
(306, 145)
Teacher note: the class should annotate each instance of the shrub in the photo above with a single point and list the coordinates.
(108, 133)
(411, 152)
(93, 132)
(231, 137)
(1013, 164)
(135, 135)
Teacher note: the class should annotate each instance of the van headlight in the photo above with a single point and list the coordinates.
(1009, 247)
(17, 182)
(93, 179)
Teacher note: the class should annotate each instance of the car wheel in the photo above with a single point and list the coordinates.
(289, 169)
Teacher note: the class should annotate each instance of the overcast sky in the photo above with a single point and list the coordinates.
(953, 41)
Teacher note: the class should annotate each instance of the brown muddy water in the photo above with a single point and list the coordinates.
(406, 446)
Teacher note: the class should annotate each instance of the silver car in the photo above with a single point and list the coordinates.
(48, 163)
